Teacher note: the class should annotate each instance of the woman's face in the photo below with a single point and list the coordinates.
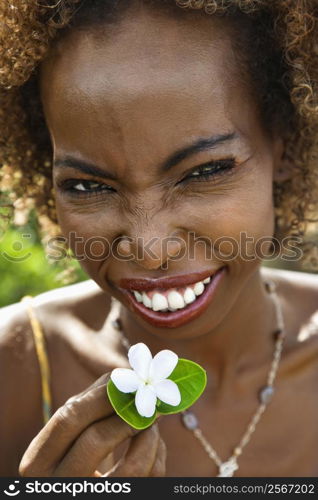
(151, 103)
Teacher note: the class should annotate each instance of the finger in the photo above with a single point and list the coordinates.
(140, 456)
(53, 441)
(99, 382)
(159, 467)
(92, 446)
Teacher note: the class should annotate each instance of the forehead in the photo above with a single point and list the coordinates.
(145, 52)
(148, 69)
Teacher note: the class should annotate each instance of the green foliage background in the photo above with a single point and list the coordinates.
(24, 267)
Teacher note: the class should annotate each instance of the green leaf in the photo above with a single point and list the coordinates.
(124, 406)
(191, 380)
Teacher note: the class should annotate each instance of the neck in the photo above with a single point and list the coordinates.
(240, 341)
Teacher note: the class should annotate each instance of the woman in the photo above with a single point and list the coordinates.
(180, 144)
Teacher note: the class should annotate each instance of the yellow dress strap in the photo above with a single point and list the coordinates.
(39, 340)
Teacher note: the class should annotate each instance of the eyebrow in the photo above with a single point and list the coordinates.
(198, 146)
(83, 166)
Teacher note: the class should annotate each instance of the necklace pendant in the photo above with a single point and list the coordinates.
(228, 468)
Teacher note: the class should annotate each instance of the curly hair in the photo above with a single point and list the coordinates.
(277, 39)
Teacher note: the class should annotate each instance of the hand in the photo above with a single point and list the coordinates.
(82, 432)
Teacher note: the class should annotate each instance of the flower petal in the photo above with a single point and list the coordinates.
(162, 365)
(140, 358)
(168, 392)
(145, 400)
(125, 380)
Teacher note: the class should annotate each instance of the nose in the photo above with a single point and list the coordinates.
(152, 249)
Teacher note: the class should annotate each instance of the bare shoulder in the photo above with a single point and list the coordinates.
(299, 294)
(74, 301)
(20, 395)
(80, 300)
(15, 335)
(298, 289)
(78, 330)
(296, 277)
(62, 297)
(72, 319)
(295, 284)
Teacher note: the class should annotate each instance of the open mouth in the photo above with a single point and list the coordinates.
(174, 306)
(171, 299)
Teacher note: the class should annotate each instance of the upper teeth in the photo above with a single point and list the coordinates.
(174, 299)
(159, 302)
(198, 288)
(138, 296)
(189, 295)
(146, 300)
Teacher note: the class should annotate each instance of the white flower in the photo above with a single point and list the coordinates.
(149, 378)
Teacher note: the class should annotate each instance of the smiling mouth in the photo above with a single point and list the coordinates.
(175, 306)
(171, 299)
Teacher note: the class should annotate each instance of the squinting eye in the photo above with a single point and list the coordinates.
(76, 187)
(211, 169)
(81, 186)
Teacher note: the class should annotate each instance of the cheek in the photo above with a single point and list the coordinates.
(89, 231)
(237, 220)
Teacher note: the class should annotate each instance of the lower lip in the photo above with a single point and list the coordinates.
(181, 316)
